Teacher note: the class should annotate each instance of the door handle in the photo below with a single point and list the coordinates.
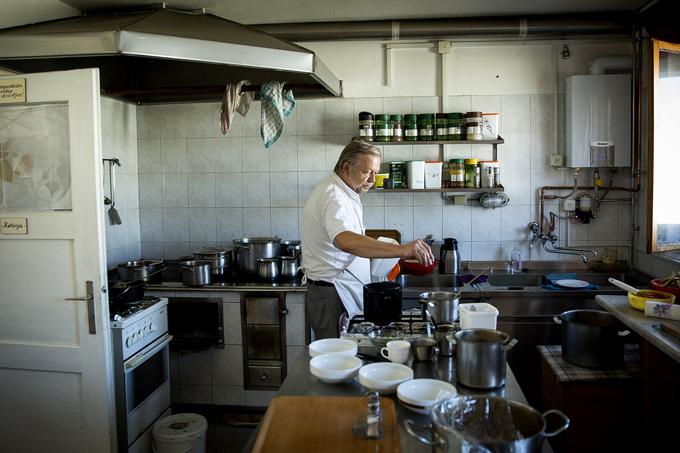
(89, 298)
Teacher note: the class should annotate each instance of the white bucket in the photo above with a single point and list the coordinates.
(180, 433)
(477, 316)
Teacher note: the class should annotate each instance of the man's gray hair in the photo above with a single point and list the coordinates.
(352, 152)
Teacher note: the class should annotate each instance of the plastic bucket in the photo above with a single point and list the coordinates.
(478, 316)
(180, 433)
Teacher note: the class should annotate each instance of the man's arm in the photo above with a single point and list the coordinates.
(366, 247)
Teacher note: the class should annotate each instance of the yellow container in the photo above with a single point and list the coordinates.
(380, 178)
(638, 300)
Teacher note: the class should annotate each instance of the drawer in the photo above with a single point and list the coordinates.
(262, 310)
(264, 376)
(263, 342)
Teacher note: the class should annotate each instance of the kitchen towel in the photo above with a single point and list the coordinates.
(550, 280)
(276, 106)
(234, 101)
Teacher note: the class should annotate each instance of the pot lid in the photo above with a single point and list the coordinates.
(212, 250)
(257, 240)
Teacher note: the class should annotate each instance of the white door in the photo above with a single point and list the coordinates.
(55, 373)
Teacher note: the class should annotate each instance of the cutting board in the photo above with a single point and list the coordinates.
(323, 424)
(392, 234)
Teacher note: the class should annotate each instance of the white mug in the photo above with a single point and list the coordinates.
(397, 351)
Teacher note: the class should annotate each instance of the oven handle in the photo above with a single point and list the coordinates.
(141, 357)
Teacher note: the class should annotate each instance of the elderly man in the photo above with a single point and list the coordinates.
(333, 241)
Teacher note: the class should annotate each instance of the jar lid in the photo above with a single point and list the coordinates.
(365, 116)
(457, 161)
(396, 117)
(440, 115)
(382, 116)
(455, 115)
(397, 162)
(410, 116)
(471, 161)
(425, 116)
(473, 114)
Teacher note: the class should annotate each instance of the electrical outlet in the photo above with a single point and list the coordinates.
(556, 160)
(460, 199)
(569, 204)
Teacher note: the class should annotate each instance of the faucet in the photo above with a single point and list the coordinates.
(534, 229)
(561, 250)
(535, 234)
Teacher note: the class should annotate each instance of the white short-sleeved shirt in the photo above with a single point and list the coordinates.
(332, 207)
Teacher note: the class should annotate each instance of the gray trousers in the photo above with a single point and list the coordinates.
(323, 308)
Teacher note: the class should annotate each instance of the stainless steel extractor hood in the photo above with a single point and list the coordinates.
(164, 55)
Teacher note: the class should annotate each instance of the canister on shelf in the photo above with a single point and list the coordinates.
(441, 131)
(433, 175)
(415, 174)
(410, 127)
(425, 126)
(397, 127)
(455, 126)
(383, 128)
(398, 175)
(472, 173)
(490, 126)
(366, 126)
(497, 175)
(486, 174)
(473, 126)
(457, 173)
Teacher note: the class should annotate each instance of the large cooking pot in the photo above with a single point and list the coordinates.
(481, 357)
(268, 269)
(591, 338)
(196, 272)
(248, 250)
(144, 270)
(486, 423)
(442, 306)
(219, 257)
(382, 302)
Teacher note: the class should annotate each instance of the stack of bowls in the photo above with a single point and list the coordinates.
(333, 360)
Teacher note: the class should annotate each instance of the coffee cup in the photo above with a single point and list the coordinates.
(424, 349)
(396, 351)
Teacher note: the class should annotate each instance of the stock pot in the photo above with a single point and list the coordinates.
(441, 305)
(141, 270)
(248, 250)
(481, 357)
(196, 272)
(218, 257)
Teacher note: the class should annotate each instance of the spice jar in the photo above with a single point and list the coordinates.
(473, 126)
(486, 174)
(410, 127)
(455, 126)
(457, 174)
(366, 126)
(441, 131)
(397, 128)
(472, 173)
(425, 126)
(383, 128)
(398, 175)
(496, 173)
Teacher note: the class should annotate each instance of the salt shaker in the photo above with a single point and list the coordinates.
(367, 425)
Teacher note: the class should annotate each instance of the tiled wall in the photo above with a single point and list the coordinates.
(198, 187)
(119, 140)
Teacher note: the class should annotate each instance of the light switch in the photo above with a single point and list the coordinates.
(556, 160)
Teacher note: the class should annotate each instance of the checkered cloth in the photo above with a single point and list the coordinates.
(567, 372)
(276, 105)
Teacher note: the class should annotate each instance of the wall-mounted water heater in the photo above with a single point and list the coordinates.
(598, 111)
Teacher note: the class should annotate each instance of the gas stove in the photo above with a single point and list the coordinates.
(123, 313)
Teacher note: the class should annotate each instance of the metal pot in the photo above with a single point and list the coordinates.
(443, 333)
(248, 250)
(142, 270)
(218, 257)
(591, 338)
(486, 423)
(442, 306)
(481, 357)
(290, 266)
(268, 268)
(120, 295)
(292, 248)
(382, 303)
(196, 272)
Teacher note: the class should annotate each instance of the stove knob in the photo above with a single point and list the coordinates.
(139, 334)
(152, 326)
(128, 341)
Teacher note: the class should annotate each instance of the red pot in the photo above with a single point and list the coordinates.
(656, 286)
(413, 267)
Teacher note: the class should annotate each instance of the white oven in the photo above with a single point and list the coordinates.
(142, 373)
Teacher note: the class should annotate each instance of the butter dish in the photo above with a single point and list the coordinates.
(662, 310)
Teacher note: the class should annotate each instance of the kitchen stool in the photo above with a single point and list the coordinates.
(604, 405)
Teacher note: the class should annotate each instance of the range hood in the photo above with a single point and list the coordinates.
(165, 55)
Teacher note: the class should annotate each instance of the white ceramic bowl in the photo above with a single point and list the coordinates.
(334, 368)
(420, 395)
(333, 345)
(384, 377)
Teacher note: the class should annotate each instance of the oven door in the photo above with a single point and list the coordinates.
(147, 386)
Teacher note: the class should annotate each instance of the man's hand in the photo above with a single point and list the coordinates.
(420, 251)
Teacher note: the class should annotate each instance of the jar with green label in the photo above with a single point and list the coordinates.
(366, 126)
(397, 127)
(457, 174)
(455, 126)
(398, 175)
(472, 173)
(441, 131)
(425, 127)
(410, 127)
(383, 128)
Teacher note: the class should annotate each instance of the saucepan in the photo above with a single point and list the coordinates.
(382, 301)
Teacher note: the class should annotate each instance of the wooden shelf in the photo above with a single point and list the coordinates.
(452, 190)
(498, 141)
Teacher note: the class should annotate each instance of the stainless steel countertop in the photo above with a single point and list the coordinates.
(642, 325)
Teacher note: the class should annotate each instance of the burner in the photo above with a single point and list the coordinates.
(119, 312)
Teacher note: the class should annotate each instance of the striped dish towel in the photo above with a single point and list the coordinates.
(276, 106)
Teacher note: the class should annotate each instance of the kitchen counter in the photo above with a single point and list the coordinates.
(300, 382)
(293, 286)
(645, 326)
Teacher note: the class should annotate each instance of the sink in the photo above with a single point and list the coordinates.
(515, 279)
(427, 281)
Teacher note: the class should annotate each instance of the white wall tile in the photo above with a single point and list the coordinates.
(254, 156)
(174, 250)
(514, 221)
(250, 125)
(400, 105)
(283, 156)
(487, 224)
(427, 220)
(256, 192)
(174, 155)
(148, 122)
(371, 105)
(151, 225)
(374, 217)
(290, 124)
(311, 153)
(542, 147)
(149, 156)
(516, 187)
(399, 199)
(229, 189)
(175, 190)
(457, 223)
(460, 104)
(339, 116)
(285, 223)
(542, 112)
(334, 146)
(232, 323)
(373, 198)
(425, 104)
(201, 155)
(257, 222)
(150, 191)
(485, 104)
(201, 190)
(311, 115)
(173, 121)
(229, 224)
(284, 189)
(152, 250)
(227, 365)
(176, 224)
(516, 152)
(203, 225)
(195, 368)
(397, 153)
(516, 113)
(307, 180)
(228, 395)
(485, 251)
(228, 154)
(400, 218)
(200, 120)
